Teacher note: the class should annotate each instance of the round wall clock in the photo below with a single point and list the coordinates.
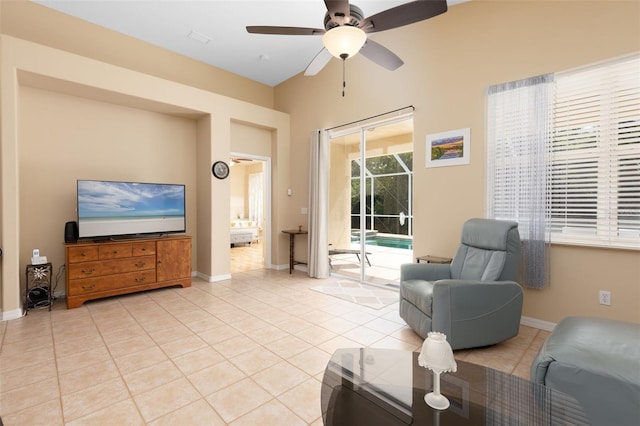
(220, 169)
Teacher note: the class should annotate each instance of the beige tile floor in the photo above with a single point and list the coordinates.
(246, 257)
(247, 351)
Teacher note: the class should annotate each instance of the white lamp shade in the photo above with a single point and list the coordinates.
(344, 40)
(436, 354)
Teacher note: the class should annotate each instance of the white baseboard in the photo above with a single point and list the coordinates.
(219, 278)
(11, 315)
(284, 267)
(536, 323)
(212, 279)
(199, 275)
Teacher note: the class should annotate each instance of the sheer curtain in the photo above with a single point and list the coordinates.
(256, 198)
(318, 255)
(519, 120)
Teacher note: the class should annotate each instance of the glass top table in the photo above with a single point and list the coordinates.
(365, 386)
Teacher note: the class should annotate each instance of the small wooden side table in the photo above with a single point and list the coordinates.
(433, 259)
(292, 235)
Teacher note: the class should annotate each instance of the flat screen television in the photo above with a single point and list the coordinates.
(128, 209)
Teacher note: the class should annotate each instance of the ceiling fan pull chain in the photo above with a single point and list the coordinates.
(344, 84)
(344, 57)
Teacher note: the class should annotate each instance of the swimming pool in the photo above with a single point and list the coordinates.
(388, 241)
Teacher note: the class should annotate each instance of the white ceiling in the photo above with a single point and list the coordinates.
(269, 59)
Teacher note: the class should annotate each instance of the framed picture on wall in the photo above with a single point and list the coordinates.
(450, 148)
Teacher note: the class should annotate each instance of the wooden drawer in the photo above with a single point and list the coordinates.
(110, 267)
(115, 251)
(144, 248)
(110, 282)
(82, 254)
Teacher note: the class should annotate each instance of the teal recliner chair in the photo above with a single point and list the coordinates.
(475, 300)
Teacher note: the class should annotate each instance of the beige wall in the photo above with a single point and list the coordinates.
(449, 62)
(82, 114)
(248, 139)
(31, 21)
(238, 182)
(205, 195)
(64, 138)
(340, 195)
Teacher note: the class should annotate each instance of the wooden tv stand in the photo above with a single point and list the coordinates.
(102, 269)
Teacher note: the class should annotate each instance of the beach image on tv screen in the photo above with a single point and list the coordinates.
(124, 208)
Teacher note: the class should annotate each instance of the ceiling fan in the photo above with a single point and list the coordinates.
(238, 160)
(345, 31)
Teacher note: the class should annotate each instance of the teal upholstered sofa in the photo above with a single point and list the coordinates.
(475, 300)
(597, 361)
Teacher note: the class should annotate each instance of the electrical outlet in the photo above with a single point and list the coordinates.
(605, 297)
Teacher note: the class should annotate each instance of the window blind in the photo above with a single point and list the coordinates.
(594, 181)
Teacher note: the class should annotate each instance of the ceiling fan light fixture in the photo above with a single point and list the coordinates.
(344, 41)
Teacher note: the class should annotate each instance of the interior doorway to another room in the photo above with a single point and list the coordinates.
(250, 205)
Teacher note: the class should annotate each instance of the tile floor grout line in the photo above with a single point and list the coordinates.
(271, 290)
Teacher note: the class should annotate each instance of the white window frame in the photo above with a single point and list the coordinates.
(604, 97)
(592, 102)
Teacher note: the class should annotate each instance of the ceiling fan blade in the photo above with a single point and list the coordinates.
(339, 9)
(404, 14)
(255, 29)
(381, 55)
(322, 58)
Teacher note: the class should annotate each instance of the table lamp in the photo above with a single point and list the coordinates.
(437, 356)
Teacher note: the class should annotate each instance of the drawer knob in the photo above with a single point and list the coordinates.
(140, 264)
(89, 271)
(140, 279)
(88, 286)
(83, 254)
(115, 252)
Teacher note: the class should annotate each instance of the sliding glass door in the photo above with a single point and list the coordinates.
(370, 187)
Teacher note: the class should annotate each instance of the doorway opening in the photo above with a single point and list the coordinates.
(250, 207)
(370, 201)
